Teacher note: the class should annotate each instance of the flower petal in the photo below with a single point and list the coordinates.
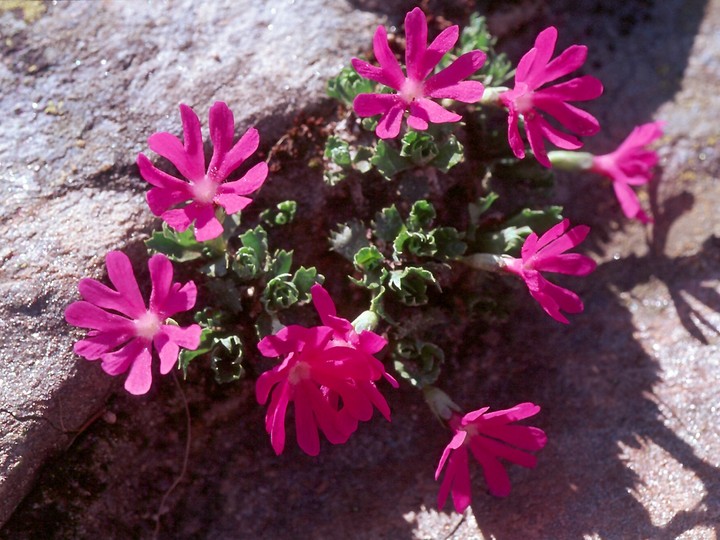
(460, 69)
(415, 43)
(87, 315)
(188, 158)
(323, 303)
(423, 111)
(438, 48)
(366, 105)
(161, 275)
(118, 362)
(306, 429)
(222, 132)
(385, 57)
(389, 125)
(94, 346)
(207, 225)
(242, 150)
(250, 182)
(121, 275)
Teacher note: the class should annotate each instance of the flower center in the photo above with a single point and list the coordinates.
(148, 325)
(521, 97)
(299, 372)
(411, 90)
(204, 190)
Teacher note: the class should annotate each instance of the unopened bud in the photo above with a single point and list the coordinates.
(570, 161)
(439, 402)
(367, 320)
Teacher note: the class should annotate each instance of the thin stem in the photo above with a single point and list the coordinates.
(186, 457)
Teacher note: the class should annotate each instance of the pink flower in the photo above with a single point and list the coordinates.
(548, 254)
(489, 437)
(527, 98)
(328, 372)
(631, 165)
(414, 90)
(123, 331)
(203, 189)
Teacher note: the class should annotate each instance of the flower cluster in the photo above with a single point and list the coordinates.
(123, 331)
(328, 372)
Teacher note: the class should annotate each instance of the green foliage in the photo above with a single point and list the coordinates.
(224, 349)
(410, 285)
(450, 153)
(388, 161)
(347, 85)
(421, 216)
(226, 359)
(497, 67)
(282, 214)
(348, 238)
(387, 224)
(177, 246)
(417, 362)
(419, 147)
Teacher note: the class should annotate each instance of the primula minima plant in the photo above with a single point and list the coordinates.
(415, 248)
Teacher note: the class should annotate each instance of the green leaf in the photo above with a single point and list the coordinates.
(417, 361)
(449, 243)
(361, 160)
(334, 177)
(421, 216)
(416, 243)
(304, 279)
(347, 85)
(177, 246)
(246, 264)
(388, 161)
(280, 263)
(349, 238)
(419, 147)
(387, 224)
(368, 259)
(256, 239)
(282, 214)
(410, 285)
(338, 151)
(280, 293)
(449, 154)
(226, 359)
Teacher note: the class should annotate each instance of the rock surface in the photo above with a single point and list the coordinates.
(91, 81)
(629, 389)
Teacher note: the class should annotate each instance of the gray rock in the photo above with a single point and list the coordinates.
(90, 82)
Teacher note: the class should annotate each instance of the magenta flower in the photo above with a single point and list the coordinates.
(123, 331)
(528, 99)
(329, 374)
(414, 90)
(489, 437)
(203, 189)
(631, 165)
(548, 254)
